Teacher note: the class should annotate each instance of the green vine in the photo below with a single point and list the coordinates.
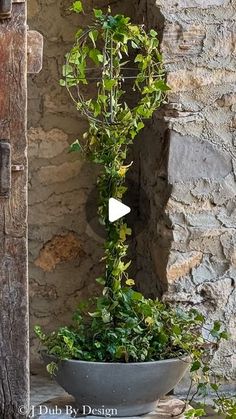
(122, 325)
(113, 125)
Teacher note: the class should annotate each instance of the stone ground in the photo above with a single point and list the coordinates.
(47, 394)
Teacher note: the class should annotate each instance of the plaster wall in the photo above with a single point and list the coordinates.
(199, 218)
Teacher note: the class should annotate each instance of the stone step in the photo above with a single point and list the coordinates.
(63, 408)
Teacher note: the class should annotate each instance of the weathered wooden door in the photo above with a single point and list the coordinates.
(14, 340)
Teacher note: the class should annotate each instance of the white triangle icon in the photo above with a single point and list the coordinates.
(117, 210)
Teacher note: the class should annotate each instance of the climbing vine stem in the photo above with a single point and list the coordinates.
(107, 54)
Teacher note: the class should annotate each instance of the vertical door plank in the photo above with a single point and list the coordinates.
(14, 357)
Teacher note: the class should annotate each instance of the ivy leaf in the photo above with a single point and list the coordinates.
(153, 33)
(75, 146)
(102, 98)
(176, 330)
(149, 321)
(39, 333)
(194, 413)
(134, 45)
(106, 316)
(96, 108)
(124, 231)
(195, 366)
(96, 56)
(77, 7)
(140, 125)
(215, 332)
(95, 314)
(52, 368)
(100, 280)
(224, 335)
(139, 58)
(111, 23)
(67, 70)
(136, 296)
(109, 83)
(120, 191)
(161, 85)
(98, 13)
(214, 386)
(130, 282)
(123, 169)
(78, 33)
(93, 35)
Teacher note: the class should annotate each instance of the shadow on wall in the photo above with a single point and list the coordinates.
(152, 239)
(151, 245)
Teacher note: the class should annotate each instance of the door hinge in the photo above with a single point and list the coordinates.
(6, 8)
(5, 169)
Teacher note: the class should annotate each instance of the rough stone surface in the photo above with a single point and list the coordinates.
(34, 52)
(65, 407)
(181, 264)
(60, 249)
(191, 158)
(189, 80)
(183, 4)
(200, 210)
(182, 40)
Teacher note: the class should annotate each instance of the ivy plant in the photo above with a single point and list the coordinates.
(121, 325)
(113, 125)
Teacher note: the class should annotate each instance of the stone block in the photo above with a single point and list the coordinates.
(189, 80)
(167, 408)
(181, 264)
(34, 52)
(219, 192)
(207, 244)
(217, 293)
(179, 40)
(46, 144)
(202, 219)
(52, 174)
(227, 100)
(220, 44)
(210, 270)
(227, 217)
(45, 291)
(184, 4)
(228, 241)
(190, 158)
(65, 248)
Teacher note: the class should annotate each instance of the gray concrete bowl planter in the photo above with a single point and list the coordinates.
(118, 389)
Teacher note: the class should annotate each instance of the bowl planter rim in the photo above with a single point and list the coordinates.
(185, 358)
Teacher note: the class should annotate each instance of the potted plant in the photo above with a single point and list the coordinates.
(123, 351)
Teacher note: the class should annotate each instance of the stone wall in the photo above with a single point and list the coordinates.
(199, 47)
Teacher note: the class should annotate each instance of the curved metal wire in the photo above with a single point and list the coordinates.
(122, 78)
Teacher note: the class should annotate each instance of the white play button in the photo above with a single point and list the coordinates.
(117, 210)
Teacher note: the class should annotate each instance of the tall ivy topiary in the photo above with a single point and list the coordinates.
(116, 50)
(124, 326)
